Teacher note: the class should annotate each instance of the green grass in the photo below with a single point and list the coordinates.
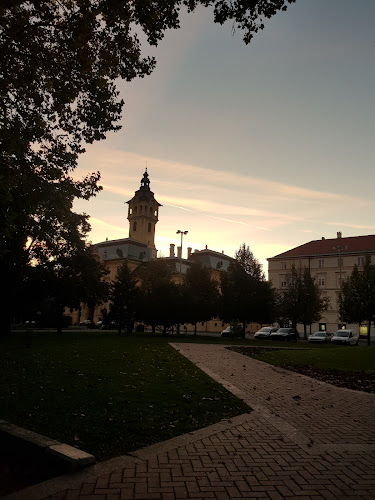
(342, 358)
(107, 394)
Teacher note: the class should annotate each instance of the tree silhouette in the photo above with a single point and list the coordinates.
(200, 295)
(124, 296)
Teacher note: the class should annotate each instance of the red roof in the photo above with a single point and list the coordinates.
(354, 244)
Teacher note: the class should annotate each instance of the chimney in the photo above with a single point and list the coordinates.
(179, 250)
(206, 247)
(189, 252)
(323, 238)
(339, 234)
(171, 250)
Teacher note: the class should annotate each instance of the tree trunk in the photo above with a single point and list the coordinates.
(368, 333)
(59, 315)
(195, 328)
(243, 334)
(305, 331)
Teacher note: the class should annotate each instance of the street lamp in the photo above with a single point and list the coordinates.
(340, 248)
(180, 231)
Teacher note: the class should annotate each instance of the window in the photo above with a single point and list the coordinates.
(156, 213)
(150, 210)
(140, 209)
(283, 283)
(130, 211)
(340, 281)
(134, 226)
(283, 265)
(321, 263)
(149, 227)
(321, 281)
(361, 261)
(135, 210)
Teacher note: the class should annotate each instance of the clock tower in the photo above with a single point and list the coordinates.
(143, 214)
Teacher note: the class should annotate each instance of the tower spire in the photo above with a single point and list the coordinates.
(145, 182)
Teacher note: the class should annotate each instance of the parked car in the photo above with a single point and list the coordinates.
(320, 337)
(285, 334)
(88, 323)
(99, 324)
(227, 332)
(345, 337)
(265, 332)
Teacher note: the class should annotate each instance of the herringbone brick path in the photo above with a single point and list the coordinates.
(304, 439)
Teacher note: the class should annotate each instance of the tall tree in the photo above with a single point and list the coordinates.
(243, 287)
(59, 61)
(159, 296)
(245, 257)
(123, 297)
(200, 295)
(301, 301)
(357, 296)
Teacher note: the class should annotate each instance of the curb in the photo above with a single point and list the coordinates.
(18, 437)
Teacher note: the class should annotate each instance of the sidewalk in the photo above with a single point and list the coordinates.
(303, 439)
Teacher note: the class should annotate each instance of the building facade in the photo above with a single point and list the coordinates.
(330, 262)
(139, 247)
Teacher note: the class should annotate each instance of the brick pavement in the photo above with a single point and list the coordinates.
(304, 439)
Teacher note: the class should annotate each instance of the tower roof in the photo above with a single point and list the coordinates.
(144, 192)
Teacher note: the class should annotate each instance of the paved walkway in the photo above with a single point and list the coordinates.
(304, 439)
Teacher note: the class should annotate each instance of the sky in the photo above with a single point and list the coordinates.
(270, 144)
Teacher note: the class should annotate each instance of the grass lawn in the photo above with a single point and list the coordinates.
(342, 358)
(107, 394)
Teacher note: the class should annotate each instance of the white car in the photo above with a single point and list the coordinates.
(265, 332)
(320, 337)
(345, 337)
(228, 332)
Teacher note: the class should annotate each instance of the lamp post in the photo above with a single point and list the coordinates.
(340, 248)
(180, 231)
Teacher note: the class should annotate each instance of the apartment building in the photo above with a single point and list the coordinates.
(330, 261)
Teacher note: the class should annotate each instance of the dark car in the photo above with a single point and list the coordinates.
(285, 334)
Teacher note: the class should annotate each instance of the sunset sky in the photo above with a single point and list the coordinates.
(271, 144)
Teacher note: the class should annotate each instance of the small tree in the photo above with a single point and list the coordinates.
(312, 304)
(72, 279)
(357, 296)
(200, 295)
(123, 296)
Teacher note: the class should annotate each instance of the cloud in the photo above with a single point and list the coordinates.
(222, 209)
(352, 226)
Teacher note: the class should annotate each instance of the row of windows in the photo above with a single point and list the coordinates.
(142, 210)
(321, 263)
(320, 280)
(135, 226)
